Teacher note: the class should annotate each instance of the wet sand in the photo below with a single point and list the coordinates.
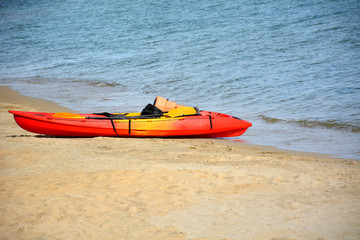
(117, 188)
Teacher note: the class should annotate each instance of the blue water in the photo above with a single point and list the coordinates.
(290, 67)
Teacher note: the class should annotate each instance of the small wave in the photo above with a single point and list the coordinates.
(270, 119)
(331, 124)
(105, 84)
(93, 83)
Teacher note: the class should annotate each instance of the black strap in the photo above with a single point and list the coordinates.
(210, 122)
(113, 125)
(104, 114)
(123, 117)
(129, 126)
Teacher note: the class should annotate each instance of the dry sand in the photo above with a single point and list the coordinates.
(117, 188)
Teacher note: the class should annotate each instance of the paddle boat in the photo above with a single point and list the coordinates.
(163, 118)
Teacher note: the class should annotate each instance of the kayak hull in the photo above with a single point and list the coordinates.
(204, 125)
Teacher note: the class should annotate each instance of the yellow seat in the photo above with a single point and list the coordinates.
(181, 111)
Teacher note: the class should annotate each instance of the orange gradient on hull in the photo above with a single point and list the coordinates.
(206, 124)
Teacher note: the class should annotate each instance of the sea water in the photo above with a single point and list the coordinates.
(290, 67)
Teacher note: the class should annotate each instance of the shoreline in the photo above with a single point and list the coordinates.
(38, 104)
(119, 188)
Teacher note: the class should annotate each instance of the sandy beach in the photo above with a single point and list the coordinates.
(117, 188)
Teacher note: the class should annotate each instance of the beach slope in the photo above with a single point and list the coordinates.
(118, 188)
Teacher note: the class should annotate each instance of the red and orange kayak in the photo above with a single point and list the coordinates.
(177, 122)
